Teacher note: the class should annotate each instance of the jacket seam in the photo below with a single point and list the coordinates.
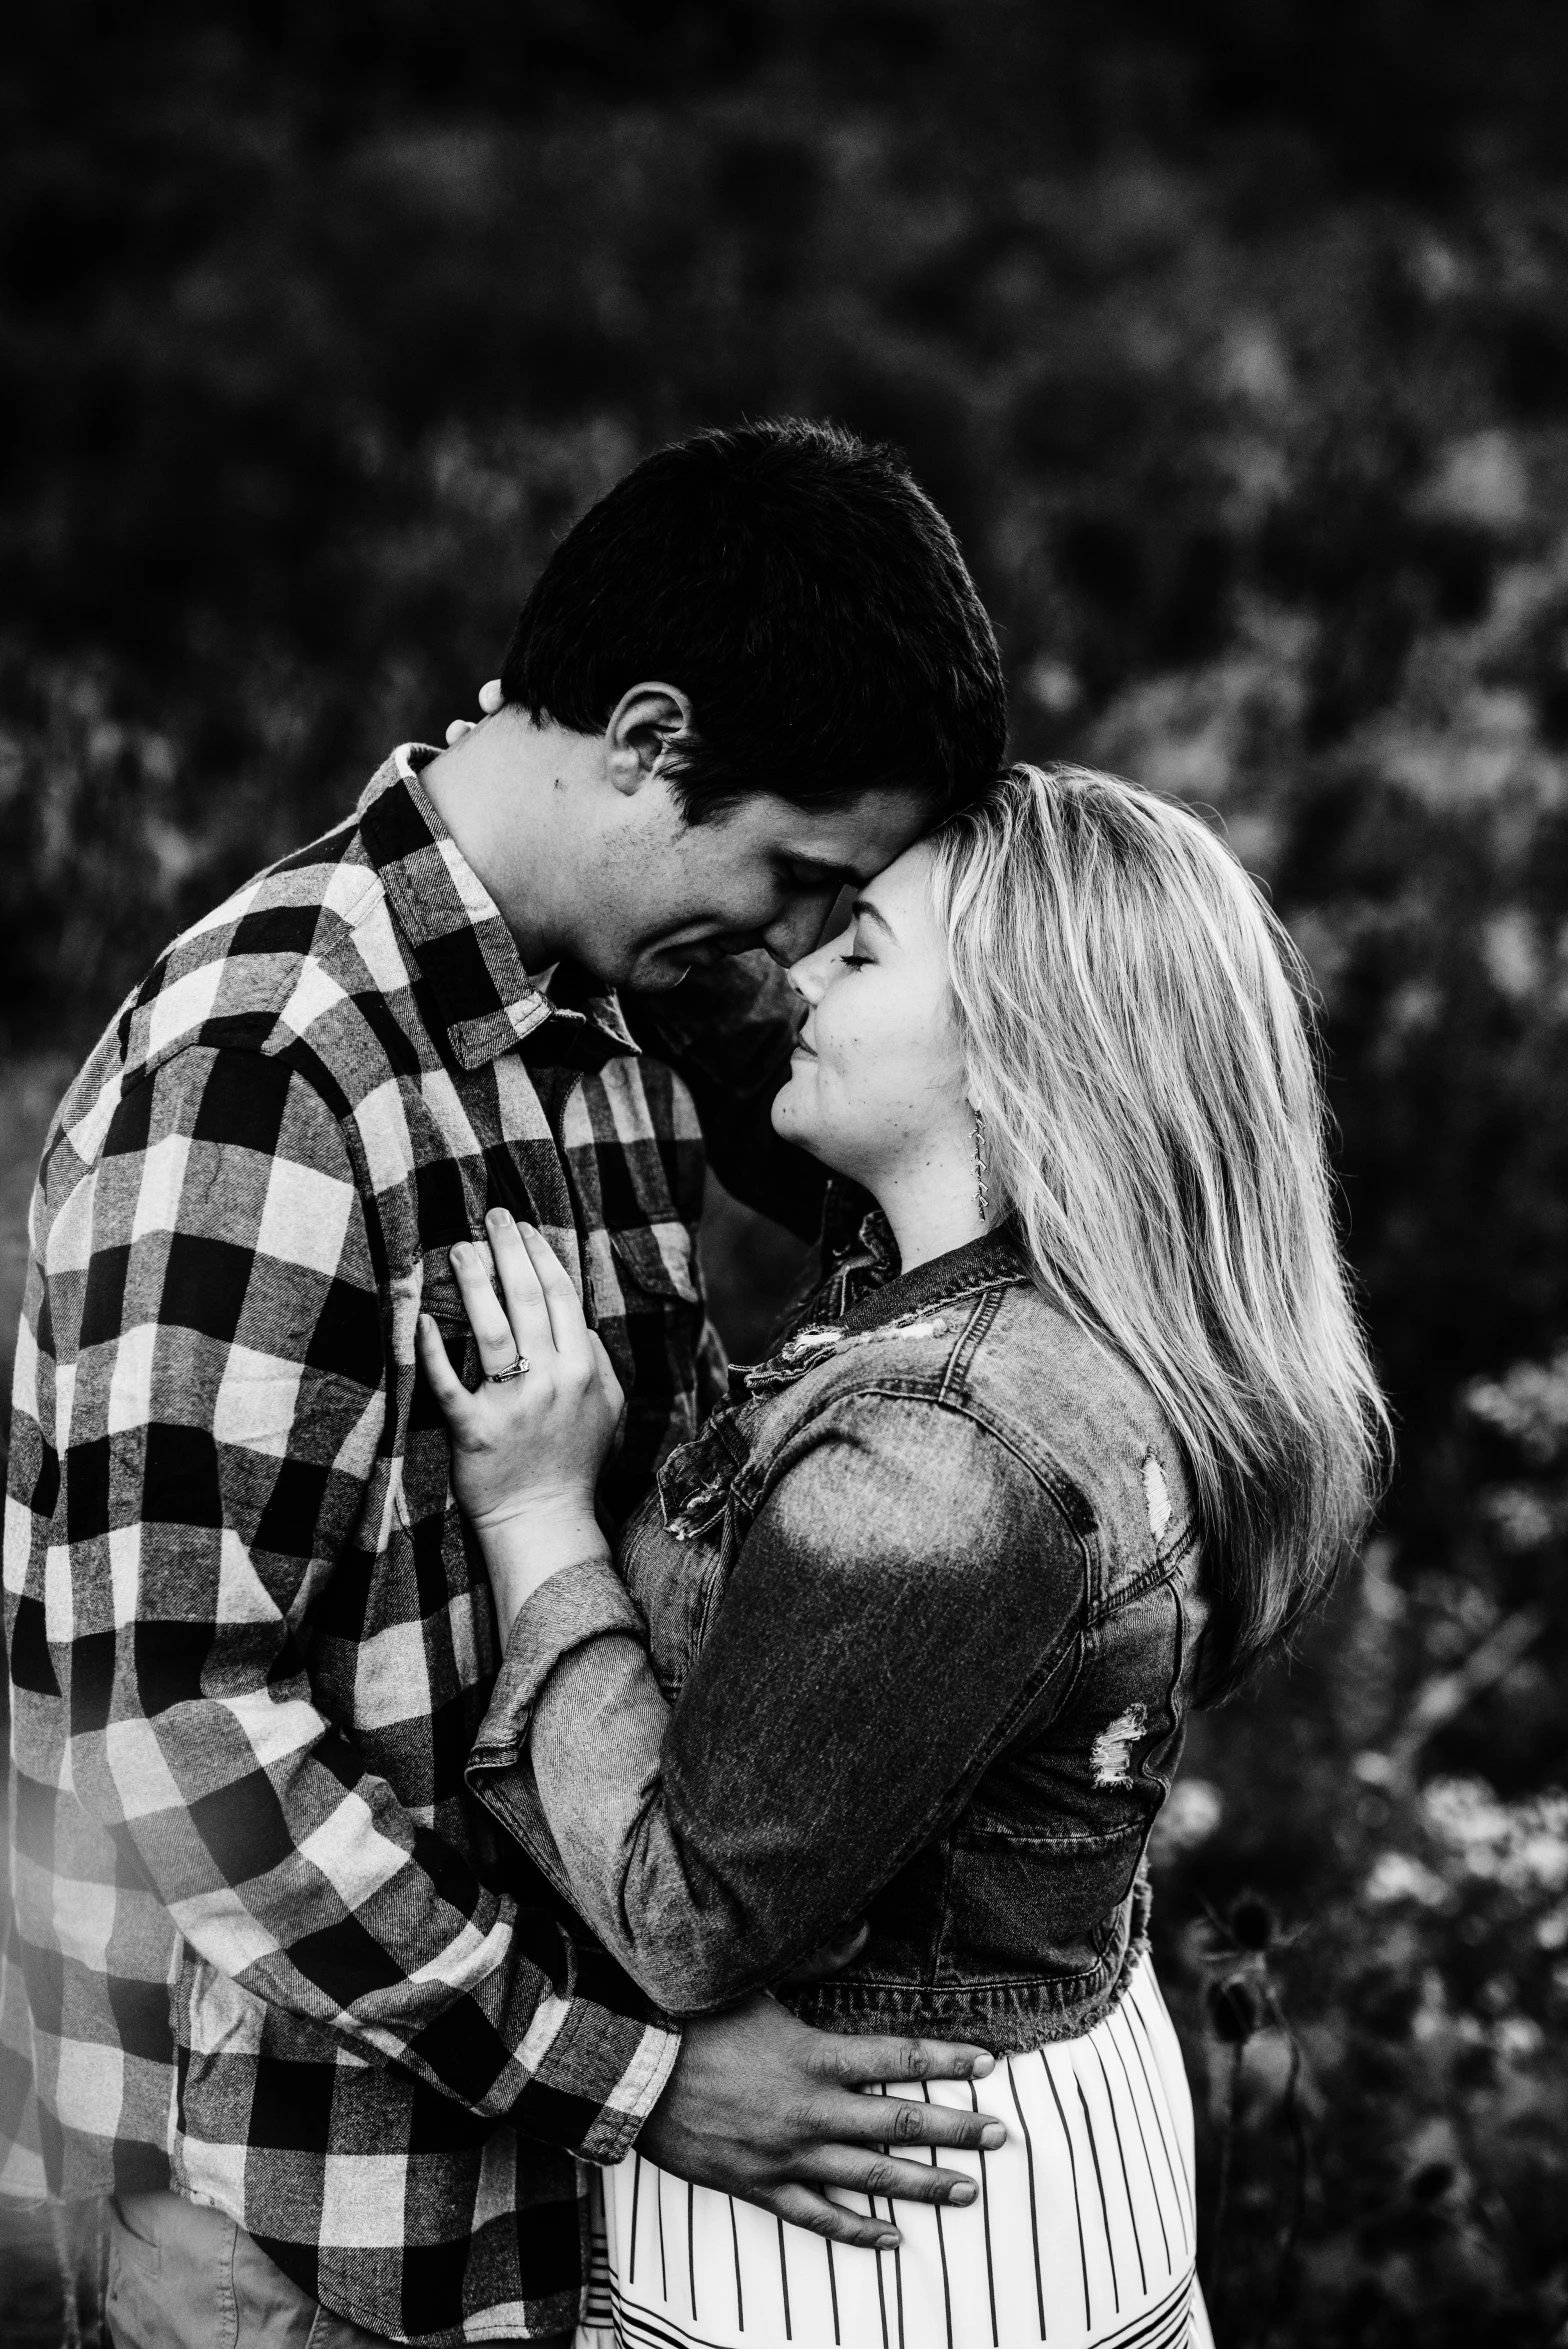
(982, 1318)
(945, 1918)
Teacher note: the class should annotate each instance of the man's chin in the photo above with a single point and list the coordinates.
(657, 974)
(658, 968)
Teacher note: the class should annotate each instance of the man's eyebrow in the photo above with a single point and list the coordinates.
(866, 911)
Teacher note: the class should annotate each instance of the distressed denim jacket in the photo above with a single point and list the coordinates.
(908, 1633)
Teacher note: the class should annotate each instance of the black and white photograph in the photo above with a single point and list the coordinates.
(784, 1174)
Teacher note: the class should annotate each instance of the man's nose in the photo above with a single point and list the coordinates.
(800, 929)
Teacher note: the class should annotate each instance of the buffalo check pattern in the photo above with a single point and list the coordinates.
(265, 1947)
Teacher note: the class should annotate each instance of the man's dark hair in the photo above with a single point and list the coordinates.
(805, 594)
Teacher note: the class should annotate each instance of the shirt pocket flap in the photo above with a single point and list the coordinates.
(439, 1294)
(442, 1300)
(659, 1259)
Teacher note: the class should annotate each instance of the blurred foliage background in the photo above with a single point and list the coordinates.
(1234, 339)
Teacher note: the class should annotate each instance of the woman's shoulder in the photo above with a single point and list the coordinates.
(999, 1371)
(884, 1458)
(1078, 1408)
(989, 1366)
(889, 1394)
(996, 1345)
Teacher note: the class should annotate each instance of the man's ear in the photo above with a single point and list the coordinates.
(645, 723)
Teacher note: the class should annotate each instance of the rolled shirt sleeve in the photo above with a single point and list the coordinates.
(898, 1608)
(212, 1400)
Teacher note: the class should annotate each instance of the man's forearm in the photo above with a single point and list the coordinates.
(305, 1880)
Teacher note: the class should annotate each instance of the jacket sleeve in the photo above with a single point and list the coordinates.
(728, 1034)
(904, 1601)
(208, 1373)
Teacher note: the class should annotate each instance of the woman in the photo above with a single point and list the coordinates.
(1076, 1430)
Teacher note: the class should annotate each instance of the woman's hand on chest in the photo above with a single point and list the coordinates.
(528, 1444)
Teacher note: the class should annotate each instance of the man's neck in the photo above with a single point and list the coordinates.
(501, 793)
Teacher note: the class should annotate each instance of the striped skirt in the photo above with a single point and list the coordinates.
(1081, 2234)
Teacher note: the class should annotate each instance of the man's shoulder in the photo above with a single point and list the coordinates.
(250, 961)
(283, 965)
(271, 961)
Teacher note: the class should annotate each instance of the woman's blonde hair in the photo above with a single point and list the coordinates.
(1138, 1038)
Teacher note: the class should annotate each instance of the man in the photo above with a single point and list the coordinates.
(331, 2048)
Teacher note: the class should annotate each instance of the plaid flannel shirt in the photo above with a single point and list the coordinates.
(265, 1947)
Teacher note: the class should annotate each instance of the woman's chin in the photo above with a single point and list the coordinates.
(793, 1122)
(791, 1114)
(785, 1112)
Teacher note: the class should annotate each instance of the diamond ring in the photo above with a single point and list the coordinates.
(517, 1369)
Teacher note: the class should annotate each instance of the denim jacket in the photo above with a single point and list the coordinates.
(908, 1633)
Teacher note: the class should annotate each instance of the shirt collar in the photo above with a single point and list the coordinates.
(463, 949)
(846, 1314)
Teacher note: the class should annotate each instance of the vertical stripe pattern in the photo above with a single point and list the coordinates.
(1080, 2235)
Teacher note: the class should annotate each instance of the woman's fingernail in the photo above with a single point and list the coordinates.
(994, 2136)
(981, 2065)
(961, 2193)
(498, 1215)
(889, 2242)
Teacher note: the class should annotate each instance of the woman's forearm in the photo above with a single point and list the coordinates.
(568, 1759)
(598, 1732)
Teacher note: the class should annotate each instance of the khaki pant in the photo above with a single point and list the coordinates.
(182, 2277)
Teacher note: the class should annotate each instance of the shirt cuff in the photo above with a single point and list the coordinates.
(621, 2122)
(580, 1603)
(599, 2040)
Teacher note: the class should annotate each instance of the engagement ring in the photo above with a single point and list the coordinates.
(498, 1378)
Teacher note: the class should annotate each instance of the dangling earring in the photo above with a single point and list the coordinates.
(982, 1161)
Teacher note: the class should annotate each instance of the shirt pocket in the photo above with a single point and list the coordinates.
(442, 1299)
(422, 1486)
(649, 1311)
(659, 1262)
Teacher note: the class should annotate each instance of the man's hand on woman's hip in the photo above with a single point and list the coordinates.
(761, 2106)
